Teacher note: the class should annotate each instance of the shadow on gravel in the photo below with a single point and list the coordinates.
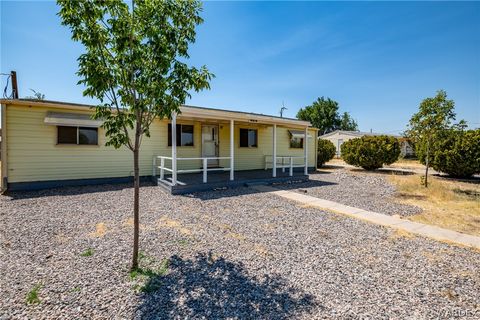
(240, 191)
(331, 167)
(209, 288)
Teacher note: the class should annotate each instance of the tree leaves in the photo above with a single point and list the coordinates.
(135, 60)
(323, 114)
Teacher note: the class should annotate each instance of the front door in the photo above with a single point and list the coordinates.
(210, 143)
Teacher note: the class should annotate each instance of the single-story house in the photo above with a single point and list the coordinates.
(338, 137)
(50, 144)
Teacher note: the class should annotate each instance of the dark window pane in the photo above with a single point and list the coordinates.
(178, 134)
(88, 136)
(243, 138)
(67, 135)
(169, 133)
(187, 135)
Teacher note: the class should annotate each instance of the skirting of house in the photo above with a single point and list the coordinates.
(39, 185)
(178, 189)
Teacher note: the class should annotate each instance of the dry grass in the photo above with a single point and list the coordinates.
(449, 204)
(407, 163)
(166, 222)
(401, 234)
(100, 230)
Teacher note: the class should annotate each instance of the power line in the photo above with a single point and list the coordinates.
(5, 90)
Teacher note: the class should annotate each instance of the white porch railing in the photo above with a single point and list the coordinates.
(286, 162)
(204, 169)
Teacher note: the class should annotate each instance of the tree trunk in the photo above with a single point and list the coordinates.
(427, 164)
(136, 208)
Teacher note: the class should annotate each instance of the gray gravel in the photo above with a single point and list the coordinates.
(369, 191)
(231, 253)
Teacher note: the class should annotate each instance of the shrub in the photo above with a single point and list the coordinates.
(326, 151)
(371, 152)
(457, 153)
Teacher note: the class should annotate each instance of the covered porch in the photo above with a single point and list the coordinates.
(232, 149)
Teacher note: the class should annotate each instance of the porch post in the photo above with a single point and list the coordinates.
(274, 156)
(305, 151)
(174, 148)
(232, 147)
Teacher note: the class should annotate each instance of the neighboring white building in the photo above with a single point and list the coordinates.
(338, 137)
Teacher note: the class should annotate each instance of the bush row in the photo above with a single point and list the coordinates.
(454, 152)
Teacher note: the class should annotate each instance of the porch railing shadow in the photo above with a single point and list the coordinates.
(206, 287)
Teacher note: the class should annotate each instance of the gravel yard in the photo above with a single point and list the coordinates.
(224, 254)
(365, 191)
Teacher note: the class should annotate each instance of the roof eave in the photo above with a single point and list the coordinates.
(186, 111)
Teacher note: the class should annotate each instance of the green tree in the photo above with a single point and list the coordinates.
(134, 64)
(347, 123)
(323, 114)
(433, 117)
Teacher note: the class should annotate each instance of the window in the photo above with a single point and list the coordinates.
(77, 135)
(296, 142)
(184, 134)
(248, 138)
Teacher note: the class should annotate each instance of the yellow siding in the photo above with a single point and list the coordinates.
(33, 154)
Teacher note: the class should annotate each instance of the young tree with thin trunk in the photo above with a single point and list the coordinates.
(433, 117)
(134, 64)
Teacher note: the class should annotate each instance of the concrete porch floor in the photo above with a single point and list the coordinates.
(193, 182)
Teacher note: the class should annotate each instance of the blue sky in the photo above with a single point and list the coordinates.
(377, 59)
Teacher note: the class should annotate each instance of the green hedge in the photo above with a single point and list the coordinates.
(457, 153)
(371, 152)
(326, 152)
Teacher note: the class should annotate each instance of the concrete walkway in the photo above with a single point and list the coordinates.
(421, 229)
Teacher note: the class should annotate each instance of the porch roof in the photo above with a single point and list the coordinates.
(194, 112)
